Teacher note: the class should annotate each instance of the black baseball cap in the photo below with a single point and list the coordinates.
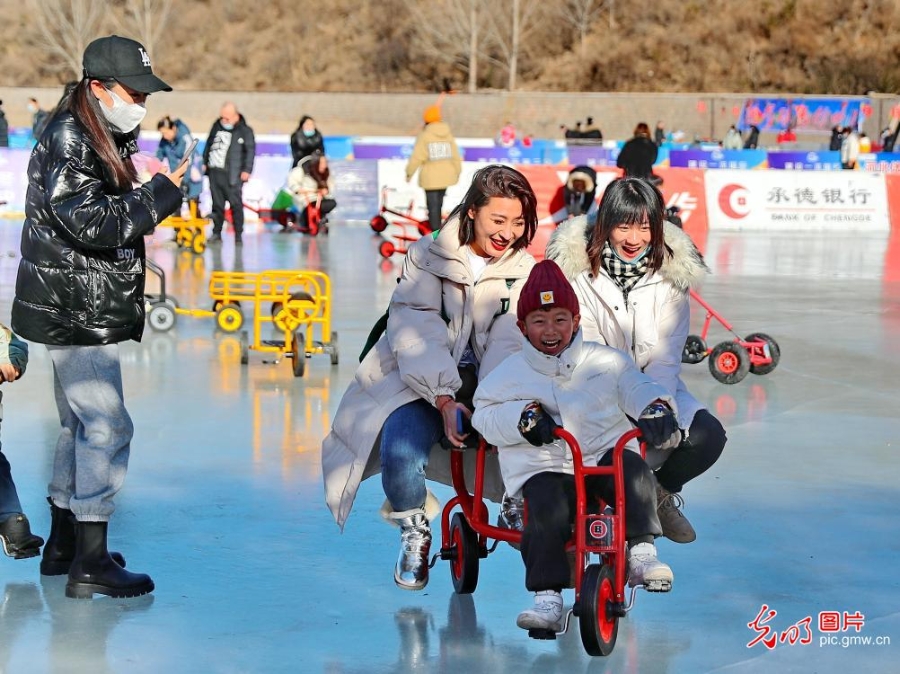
(123, 60)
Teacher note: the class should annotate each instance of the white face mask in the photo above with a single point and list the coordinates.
(123, 116)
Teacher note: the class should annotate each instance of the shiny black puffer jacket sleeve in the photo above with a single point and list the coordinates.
(81, 276)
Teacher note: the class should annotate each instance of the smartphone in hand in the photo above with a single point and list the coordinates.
(463, 423)
(189, 152)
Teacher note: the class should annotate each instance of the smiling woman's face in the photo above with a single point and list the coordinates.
(498, 225)
(630, 240)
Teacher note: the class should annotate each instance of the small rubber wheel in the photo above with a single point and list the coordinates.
(162, 316)
(245, 347)
(198, 245)
(774, 353)
(694, 350)
(729, 362)
(386, 249)
(229, 318)
(378, 223)
(599, 626)
(180, 238)
(464, 564)
(298, 354)
(333, 349)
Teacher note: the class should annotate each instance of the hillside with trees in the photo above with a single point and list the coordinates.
(770, 46)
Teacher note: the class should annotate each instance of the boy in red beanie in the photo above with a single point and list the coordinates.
(559, 380)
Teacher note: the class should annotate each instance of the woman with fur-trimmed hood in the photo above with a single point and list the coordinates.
(632, 273)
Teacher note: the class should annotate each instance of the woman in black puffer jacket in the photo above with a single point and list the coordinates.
(638, 155)
(80, 291)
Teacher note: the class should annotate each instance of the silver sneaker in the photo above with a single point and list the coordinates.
(546, 614)
(645, 569)
(411, 572)
(512, 515)
(675, 525)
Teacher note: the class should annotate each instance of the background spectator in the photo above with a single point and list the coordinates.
(639, 154)
(733, 140)
(4, 128)
(591, 131)
(306, 140)
(228, 158)
(659, 133)
(174, 139)
(436, 157)
(38, 119)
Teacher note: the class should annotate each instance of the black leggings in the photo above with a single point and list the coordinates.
(703, 447)
(551, 511)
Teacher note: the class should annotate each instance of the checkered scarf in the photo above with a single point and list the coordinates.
(625, 274)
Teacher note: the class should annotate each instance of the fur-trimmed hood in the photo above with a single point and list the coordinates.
(685, 268)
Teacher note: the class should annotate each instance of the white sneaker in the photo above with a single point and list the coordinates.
(645, 569)
(546, 613)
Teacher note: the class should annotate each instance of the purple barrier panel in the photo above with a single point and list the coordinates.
(588, 155)
(378, 151)
(506, 155)
(708, 159)
(805, 161)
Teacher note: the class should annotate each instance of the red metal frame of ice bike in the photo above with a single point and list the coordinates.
(410, 228)
(599, 588)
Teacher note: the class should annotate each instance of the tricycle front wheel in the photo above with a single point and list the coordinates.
(599, 624)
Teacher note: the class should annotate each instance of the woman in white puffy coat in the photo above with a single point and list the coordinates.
(632, 273)
(452, 313)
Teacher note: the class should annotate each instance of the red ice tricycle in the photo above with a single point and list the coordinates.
(599, 587)
(730, 361)
(407, 228)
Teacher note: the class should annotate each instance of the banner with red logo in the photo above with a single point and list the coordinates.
(797, 201)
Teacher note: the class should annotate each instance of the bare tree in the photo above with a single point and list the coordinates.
(509, 30)
(67, 26)
(582, 14)
(147, 19)
(448, 31)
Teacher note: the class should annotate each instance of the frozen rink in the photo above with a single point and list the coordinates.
(223, 504)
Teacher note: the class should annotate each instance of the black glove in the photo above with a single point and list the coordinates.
(536, 425)
(658, 425)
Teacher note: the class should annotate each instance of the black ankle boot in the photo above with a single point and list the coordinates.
(60, 548)
(93, 570)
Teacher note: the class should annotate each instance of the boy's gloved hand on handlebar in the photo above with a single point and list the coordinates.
(536, 426)
(659, 426)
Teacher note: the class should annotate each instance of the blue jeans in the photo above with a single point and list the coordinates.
(406, 440)
(9, 497)
(94, 442)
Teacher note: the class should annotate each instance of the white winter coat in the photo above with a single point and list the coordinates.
(434, 311)
(654, 324)
(588, 390)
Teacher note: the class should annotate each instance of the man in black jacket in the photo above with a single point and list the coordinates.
(228, 161)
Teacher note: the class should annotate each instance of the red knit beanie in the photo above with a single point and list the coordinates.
(546, 287)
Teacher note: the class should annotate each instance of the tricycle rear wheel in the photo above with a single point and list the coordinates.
(694, 350)
(464, 564)
(774, 353)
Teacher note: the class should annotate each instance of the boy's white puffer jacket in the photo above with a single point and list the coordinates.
(588, 390)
